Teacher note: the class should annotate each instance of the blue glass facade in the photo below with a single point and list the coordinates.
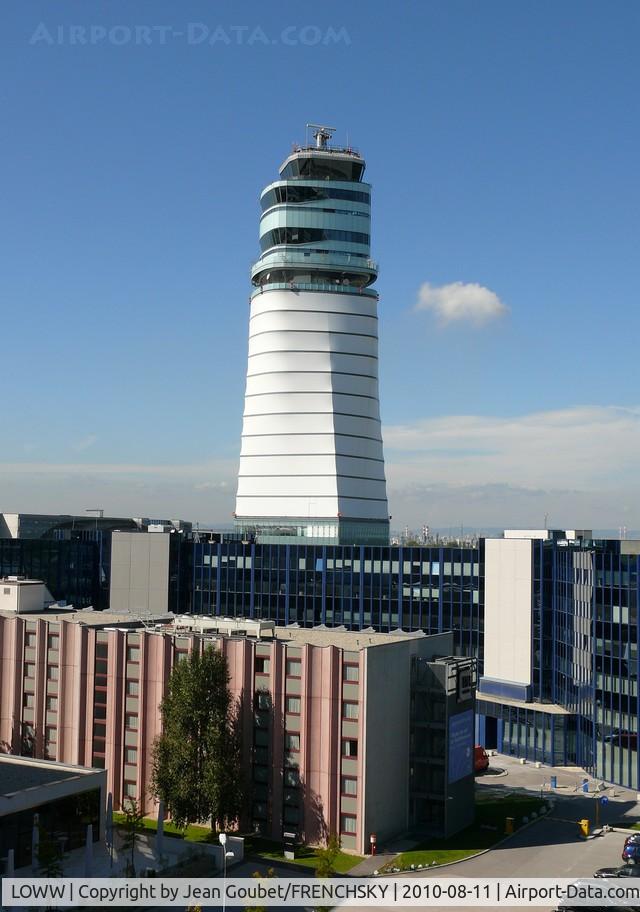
(70, 569)
(433, 589)
(585, 663)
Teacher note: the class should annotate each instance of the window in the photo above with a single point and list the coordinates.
(352, 673)
(260, 773)
(133, 654)
(350, 711)
(29, 670)
(30, 640)
(293, 705)
(261, 737)
(263, 700)
(52, 704)
(349, 747)
(52, 673)
(52, 641)
(292, 778)
(259, 810)
(294, 668)
(7, 590)
(133, 688)
(130, 755)
(291, 814)
(292, 742)
(131, 721)
(348, 824)
(50, 734)
(181, 655)
(99, 729)
(130, 790)
(263, 665)
(349, 786)
(295, 235)
(28, 701)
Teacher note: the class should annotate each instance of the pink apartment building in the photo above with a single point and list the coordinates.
(326, 713)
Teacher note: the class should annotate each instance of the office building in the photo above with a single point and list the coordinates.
(311, 462)
(561, 670)
(346, 732)
(65, 798)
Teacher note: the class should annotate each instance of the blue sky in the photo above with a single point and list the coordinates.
(502, 142)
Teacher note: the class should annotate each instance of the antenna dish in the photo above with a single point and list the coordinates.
(321, 134)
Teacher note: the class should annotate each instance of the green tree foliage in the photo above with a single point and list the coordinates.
(270, 873)
(197, 759)
(132, 826)
(327, 857)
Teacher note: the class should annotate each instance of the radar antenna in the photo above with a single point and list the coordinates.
(321, 134)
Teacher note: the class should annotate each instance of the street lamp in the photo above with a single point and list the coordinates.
(223, 842)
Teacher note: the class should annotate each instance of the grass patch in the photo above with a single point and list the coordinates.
(192, 833)
(306, 856)
(487, 829)
(267, 849)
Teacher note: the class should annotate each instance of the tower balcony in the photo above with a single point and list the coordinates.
(330, 261)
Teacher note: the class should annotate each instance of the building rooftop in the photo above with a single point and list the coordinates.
(19, 581)
(18, 774)
(351, 640)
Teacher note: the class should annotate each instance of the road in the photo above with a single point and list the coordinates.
(550, 847)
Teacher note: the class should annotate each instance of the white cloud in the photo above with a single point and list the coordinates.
(460, 302)
(577, 464)
(201, 492)
(582, 460)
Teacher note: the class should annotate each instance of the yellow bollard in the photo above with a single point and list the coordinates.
(509, 825)
(584, 827)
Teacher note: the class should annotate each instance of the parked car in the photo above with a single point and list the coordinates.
(628, 870)
(480, 759)
(631, 850)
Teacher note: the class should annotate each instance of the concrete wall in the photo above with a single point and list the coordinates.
(23, 598)
(386, 748)
(140, 572)
(507, 611)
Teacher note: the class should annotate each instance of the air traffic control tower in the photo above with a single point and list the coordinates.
(311, 462)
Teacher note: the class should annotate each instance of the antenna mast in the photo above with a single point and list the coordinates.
(321, 134)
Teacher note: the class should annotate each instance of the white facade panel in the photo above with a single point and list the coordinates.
(311, 438)
(287, 486)
(282, 341)
(311, 382)
(276, 362)
(312, 321)
(300, 403)
(313, 464)
(338, 304)
(507, 611)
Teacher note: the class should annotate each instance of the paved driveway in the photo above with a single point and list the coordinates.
(550, 847)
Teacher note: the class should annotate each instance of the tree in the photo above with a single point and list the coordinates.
(327, 857)
(132, 826)
(197, 758)
(269, 873)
